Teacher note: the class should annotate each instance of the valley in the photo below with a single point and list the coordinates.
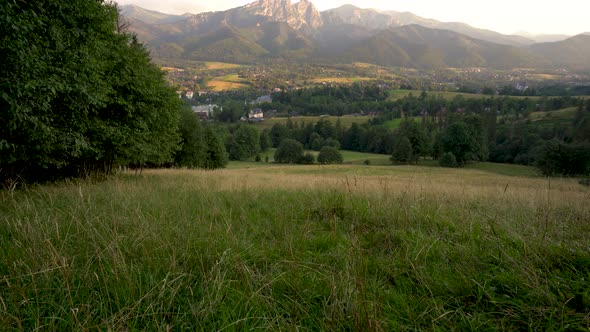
(273, 166)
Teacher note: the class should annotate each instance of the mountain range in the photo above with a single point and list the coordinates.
(267, 30)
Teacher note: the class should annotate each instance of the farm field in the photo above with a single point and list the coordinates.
(340, 80)
(290, 247)
(227, 82)
(400, 94)
(220, 65)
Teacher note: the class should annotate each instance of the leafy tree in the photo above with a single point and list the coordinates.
(457, 140)
(289, 151)
(330, 155)
(325, 129)
(557, 158)
(278, 133)
(417, 136)
(201, 147)
(244, 143)
(479, 135)
(78, 94)
(331, 143)
(265, 141)
(582, 124)
(354, 138)
(231, 112)
(192, 145)
(316, 142)
(448, 160)
(402, 150)
(215, 155)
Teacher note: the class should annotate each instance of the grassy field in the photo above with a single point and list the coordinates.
(345, 121)
(347, 247)
(400, 94)
(395, 123)
(227, 82)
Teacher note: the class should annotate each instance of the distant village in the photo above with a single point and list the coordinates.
(255, 114)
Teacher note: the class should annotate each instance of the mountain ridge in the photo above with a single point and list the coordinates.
(279, 29)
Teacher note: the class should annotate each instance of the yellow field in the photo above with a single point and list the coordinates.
(544, 77)
(227, 82)
(343, 80)
(363, 65)
(220, 65)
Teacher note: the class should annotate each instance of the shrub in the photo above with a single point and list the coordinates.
(448, 160)
(289, 151)
(329, 155)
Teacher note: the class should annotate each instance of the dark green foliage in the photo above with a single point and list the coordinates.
(215, 155)
(244, 143)
(201, 147)
(582, 124)
(191, 132)
(332, 143)
(77, 95)
(325, 129)
(354, 138)
(330, 155)
(265, 141)
(316, 142)
(231, 112)
(478, 133)
(417, 136)
(557, 158)
(458, 140)
(380, 139)
(448, 160)
(306, 159)
(278, 133)
(402, 150)
(289, 151)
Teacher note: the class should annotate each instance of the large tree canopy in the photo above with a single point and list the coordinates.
(77, 94)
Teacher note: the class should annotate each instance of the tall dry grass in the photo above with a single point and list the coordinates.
(297, 248)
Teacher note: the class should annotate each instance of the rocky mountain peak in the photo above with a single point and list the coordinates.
(301, 15)
(309, 13)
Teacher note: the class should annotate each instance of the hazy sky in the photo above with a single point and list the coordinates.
(506, 16)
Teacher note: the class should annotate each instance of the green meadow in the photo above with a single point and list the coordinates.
(287, 247)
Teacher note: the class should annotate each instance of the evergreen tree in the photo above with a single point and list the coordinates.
(265, 141)
(402, 150)
(215, 154)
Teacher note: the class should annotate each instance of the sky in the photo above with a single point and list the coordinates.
(568, 17)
